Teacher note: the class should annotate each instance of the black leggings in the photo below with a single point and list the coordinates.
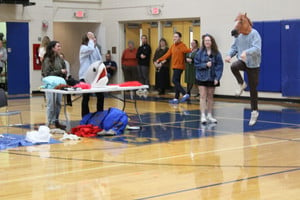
(85, 103)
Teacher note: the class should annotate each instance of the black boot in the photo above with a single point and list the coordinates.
(60, 126)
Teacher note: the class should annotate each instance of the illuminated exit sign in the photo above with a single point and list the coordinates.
(155, 11)
(79, 14)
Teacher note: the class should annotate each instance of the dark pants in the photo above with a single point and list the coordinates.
(176, 81)
(69, 100)
(130, 73)
(143, 72)
(162, 79)
(253, 75)
(189, 88)
(85, 103)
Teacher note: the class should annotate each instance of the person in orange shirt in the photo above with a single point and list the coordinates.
(177, 51)
(130, 63)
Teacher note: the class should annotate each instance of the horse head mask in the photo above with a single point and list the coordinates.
(242, 25)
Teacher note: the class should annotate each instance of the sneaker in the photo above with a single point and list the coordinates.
(203, 119)
(51, 126)
(109, 132)
(239, 91)
(184, 98)
(211, 119)
(174, 101)
(254, 116)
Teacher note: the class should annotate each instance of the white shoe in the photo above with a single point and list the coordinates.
(203, 119)
(254, 116)
(239, 91)
(211, 119)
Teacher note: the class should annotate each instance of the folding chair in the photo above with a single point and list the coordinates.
(7, 113)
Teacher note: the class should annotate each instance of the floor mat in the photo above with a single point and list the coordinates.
(8, 141)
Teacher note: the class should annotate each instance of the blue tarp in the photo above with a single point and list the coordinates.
(14, 140)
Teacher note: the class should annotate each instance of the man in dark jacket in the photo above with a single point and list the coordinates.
(143, 56)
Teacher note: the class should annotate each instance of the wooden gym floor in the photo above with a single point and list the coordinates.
(172, 156)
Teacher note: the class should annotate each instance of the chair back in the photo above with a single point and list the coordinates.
(3, 98)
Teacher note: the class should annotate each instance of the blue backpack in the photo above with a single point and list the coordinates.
(111, 119)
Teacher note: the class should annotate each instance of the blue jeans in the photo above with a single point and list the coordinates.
(53, 107)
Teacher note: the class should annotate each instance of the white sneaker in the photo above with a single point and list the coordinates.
(211, 119)
(239, 91)
(203, 119)
(254, 116)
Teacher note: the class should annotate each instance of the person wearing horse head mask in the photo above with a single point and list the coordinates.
(247, 49)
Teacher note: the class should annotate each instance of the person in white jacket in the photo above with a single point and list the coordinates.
(88, 54)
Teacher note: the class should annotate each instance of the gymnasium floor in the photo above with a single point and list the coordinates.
(172, 156)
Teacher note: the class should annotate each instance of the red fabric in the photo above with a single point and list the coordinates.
(103, 74)
(83, 85)
(86, 130)
(130, 83)
(61, 86)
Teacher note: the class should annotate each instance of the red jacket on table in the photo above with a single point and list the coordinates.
(129, 57)
(177, 51)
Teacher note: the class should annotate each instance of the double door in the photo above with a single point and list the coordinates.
(188, 29)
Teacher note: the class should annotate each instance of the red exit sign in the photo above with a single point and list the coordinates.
(155, 11)
(79, 14)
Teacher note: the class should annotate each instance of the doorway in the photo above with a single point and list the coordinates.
(190, 30)
(17, 77)
(69, 34)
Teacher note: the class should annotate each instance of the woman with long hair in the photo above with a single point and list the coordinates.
(209, 69)
(53, 65)
(43, 46)
(162, 75)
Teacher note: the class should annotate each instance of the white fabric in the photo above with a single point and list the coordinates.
(57, 131)
(42, 51)
(67, 136)
(41, 136)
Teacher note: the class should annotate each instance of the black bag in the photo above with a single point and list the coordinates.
(71, 81)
